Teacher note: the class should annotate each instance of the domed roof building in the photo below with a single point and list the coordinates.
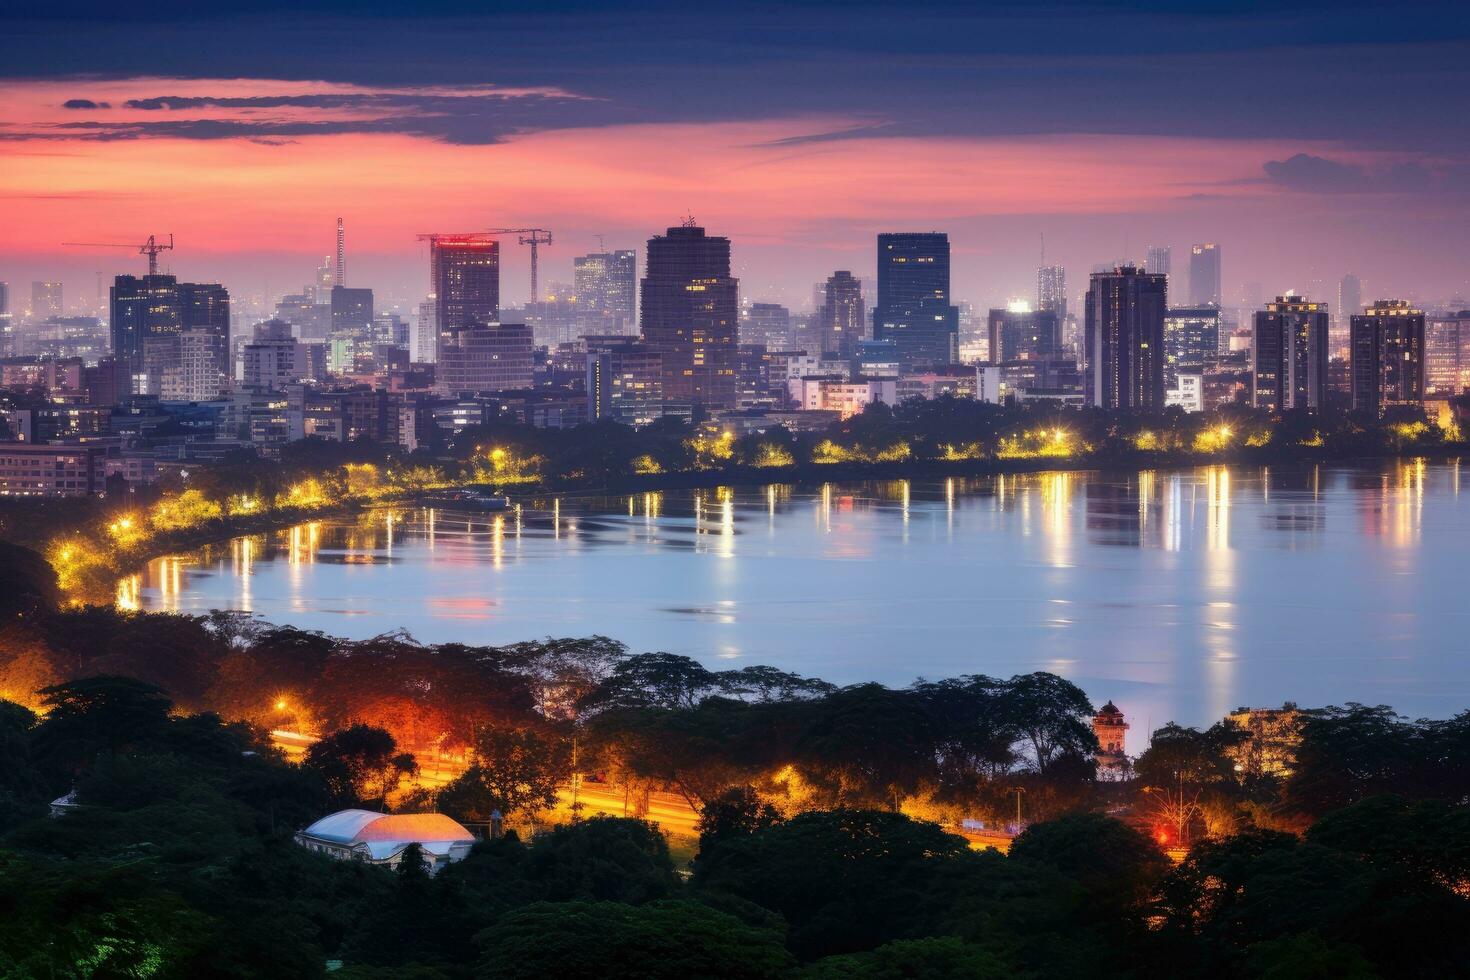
(1109, 726)
(379, 838)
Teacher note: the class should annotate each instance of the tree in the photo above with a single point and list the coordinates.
(360, 764)
(1051, 713)
(515, 770)
(1349, 754)
(666, 940)
(845, 880)
(654, 680)
(872, 745)
(937, 958)
(92, 715)
(1116, 865)
(738, 812)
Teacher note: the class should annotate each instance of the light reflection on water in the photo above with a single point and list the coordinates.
(1180, 595)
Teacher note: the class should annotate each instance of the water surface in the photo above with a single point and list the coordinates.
(1179, 595)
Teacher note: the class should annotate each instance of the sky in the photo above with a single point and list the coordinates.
(1309, 139)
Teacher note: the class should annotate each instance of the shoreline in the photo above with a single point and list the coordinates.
(225, 529)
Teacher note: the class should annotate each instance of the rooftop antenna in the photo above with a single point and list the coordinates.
(601, 246)
(689, 221)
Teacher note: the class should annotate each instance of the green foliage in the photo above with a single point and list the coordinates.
(609, 941)
(1116, 865)
(360, 764)
(515, 770)
(939, 958)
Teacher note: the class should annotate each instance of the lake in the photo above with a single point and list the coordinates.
(1180, 595)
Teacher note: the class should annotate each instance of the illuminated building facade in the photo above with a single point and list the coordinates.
(1447, 355)
(1159, 261)
(1124, 354)
(624, 381)
(1110, 727)
(1191, 341)
(1051, 290)
(1289, 354)
(689, 313)
(914, 309)
(1387, 356)
(606, 288)
(767, 324)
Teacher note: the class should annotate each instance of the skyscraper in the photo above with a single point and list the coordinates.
(7, 322)
(841, 317)
(476, 357)
(914, 309)
(1387, 356)
(1019, 334)
(1125, 340)
(689, 313)
(46, 300)
(606, 289)
(1204, 275)
(1447, 354)
(169, 338)
(1191, 341)
(1349, 304)
(464, 277)
(1289, 354)
(1051, 291)
(1160, 258)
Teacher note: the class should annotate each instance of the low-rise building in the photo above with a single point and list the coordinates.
(380, 838)
(29, 470)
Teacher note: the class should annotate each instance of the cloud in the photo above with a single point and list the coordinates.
(275, 111)
(1319, 175)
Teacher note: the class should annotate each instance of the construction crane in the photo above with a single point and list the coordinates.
(150, 248)
(533, 237)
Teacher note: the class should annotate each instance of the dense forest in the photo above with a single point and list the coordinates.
(822, 849)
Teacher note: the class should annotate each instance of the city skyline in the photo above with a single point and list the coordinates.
(1253, 124)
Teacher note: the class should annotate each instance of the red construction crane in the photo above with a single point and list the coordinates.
(150, 248)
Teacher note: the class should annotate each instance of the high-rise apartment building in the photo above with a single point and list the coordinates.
(1204, 275)
(1387, 356)
(1159, 261)
(7, 322)
(1124, 352)
(1051, 290)
(689, 312)
(464, 279)
(914, 307)
(1289, 355)
(841, 317)
(605, 285)
(1191, 341)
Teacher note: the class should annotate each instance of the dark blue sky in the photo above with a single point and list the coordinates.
(1361, 103)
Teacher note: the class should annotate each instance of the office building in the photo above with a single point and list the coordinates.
(769, 325)
(1387, 356)
(1447, 354)
(914, 309)
(1124, 352)
(1204, 275)
(624, 380)
(479, 357)
(33, 470)
(1289, 355)
(1191, 341)
(464, 272)
(605, 285)
(310, 319)
(46, 300)
(1021, 334)
(150, 316)
(1159, 260)
(841, 318)
(689, 312)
